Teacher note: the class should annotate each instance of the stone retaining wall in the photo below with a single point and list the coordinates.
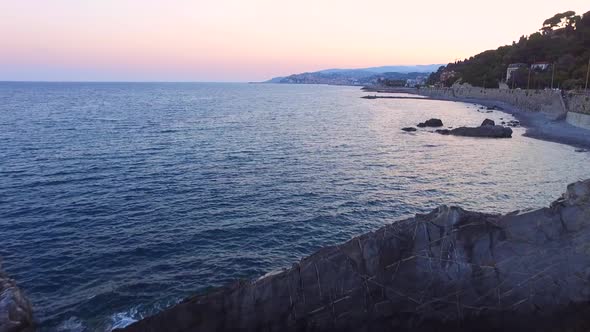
(579, 103)
(546, 101)
(578, 119)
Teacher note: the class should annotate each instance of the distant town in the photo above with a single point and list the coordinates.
(394, 76)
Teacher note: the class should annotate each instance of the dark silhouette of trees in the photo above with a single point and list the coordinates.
(563, 41)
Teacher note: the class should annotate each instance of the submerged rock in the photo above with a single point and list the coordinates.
(448, 270)
(16, 313)
(431, 123)
(513, 123)
(409, 129)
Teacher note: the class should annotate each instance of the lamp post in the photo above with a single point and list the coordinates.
(552, 74)
(587, 74)
(528, 82)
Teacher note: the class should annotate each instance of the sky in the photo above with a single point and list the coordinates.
(250, 40)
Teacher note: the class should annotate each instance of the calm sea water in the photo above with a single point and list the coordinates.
(117, 200)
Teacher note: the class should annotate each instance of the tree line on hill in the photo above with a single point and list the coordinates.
(563, 42)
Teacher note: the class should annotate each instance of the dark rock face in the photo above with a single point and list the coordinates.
(409, 129)
(490, 131)
(16, 313)
(431, 123)
(488, 122)
(485, 131)
(449, 270)
(443, 131)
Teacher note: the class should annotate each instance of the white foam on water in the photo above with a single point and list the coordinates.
(72, 324)
(126, 318)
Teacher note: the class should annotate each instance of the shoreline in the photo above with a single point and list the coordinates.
(538, 125)
(405, 276)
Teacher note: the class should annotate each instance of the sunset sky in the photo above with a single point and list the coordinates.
(248, 40)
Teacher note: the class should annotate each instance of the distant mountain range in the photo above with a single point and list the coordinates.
(361, 76)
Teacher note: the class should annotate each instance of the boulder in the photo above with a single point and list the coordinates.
(483, 131)
(488, 122)
(431, 123)
(409, 129)
(16, 312)
(448, 270)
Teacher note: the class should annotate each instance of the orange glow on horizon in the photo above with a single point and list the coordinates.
(234, 40)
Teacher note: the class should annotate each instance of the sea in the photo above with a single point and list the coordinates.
(120, 199)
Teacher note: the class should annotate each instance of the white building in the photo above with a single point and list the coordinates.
(541, 66)
(514, 67)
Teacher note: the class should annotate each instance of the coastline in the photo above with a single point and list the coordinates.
(538, 125)
(448, 270)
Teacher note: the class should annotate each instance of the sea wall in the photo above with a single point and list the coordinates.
(578, 102)
(578, 119)
(546, 101)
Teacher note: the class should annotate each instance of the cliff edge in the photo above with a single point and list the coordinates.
(449, 270)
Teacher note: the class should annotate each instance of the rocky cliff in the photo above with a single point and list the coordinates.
(16, 314)
(449, 270)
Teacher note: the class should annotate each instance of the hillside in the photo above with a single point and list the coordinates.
(364, 76)
(560, 49)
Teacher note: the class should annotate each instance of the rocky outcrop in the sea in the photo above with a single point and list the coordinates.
(408, 129)
(488, 130)
(16, 313)
(431, 123)
(488, 122)
(449, 270)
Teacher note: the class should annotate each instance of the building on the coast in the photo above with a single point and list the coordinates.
(418, 81)
(540, 66)
(447, 75)
(514, 67)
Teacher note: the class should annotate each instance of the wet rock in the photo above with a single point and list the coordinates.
(16, 313)
(488, 122)
(494, 108)
(443, 131)
(409, 129)
(483, 131)
(448, 270)
(431, 123)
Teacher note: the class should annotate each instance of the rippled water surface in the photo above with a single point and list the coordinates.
(119, 199)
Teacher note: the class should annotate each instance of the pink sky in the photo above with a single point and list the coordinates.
(249, 40)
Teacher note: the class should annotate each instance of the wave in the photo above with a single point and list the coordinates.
(125, 318)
